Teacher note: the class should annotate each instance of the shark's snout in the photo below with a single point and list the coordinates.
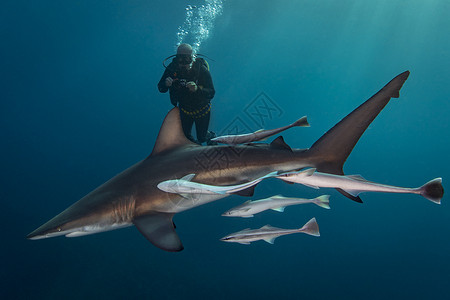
(45, 231)
(61, 224)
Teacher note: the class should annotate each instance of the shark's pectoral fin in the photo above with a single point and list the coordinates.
(248, 192)
(278, 209)
(270, 240)
(159, 229)
(244, 243)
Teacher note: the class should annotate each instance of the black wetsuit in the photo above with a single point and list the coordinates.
(195, 106)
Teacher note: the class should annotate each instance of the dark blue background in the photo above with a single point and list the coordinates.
(79, 104)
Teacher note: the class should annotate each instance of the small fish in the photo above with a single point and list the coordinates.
(277, 203)
(257, 135)
(269, 233)
(186, 186)
(355, 184)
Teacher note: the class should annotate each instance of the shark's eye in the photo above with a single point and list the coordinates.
(59, 229)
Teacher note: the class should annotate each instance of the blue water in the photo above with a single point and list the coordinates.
(79, 104)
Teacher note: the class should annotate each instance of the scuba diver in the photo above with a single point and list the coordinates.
(190, 86)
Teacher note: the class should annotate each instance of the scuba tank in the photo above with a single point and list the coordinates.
(196, 66)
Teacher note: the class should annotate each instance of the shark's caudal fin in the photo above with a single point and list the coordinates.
(322, 201)
(159, 229)
(433, 190)
(171, 134)
(311, 228)
(331, 151)
(302, 122)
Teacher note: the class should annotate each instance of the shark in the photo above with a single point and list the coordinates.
(185, 185)
(269, 233)
(277, 203)
(258, 135)
(356, 184)
(133, 198)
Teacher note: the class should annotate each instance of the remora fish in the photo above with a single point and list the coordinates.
(355, 184)
(186, 186)
(269, 233)
(132, 196)
(258, 135)
(277, 203)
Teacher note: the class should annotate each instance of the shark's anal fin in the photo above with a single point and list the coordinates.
(159, 229)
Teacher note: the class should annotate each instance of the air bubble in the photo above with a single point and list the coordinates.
(199, 23)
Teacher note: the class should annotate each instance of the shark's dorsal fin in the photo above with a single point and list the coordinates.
(188, 177)
(357, 177)
(159, 229)
(308, 172)
(268, 227)
(171, 134)
(279, 143)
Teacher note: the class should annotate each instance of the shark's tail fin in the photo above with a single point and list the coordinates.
(330, 152)
(322, 201)
(302, 122)
(433, 190)
(311, 228)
